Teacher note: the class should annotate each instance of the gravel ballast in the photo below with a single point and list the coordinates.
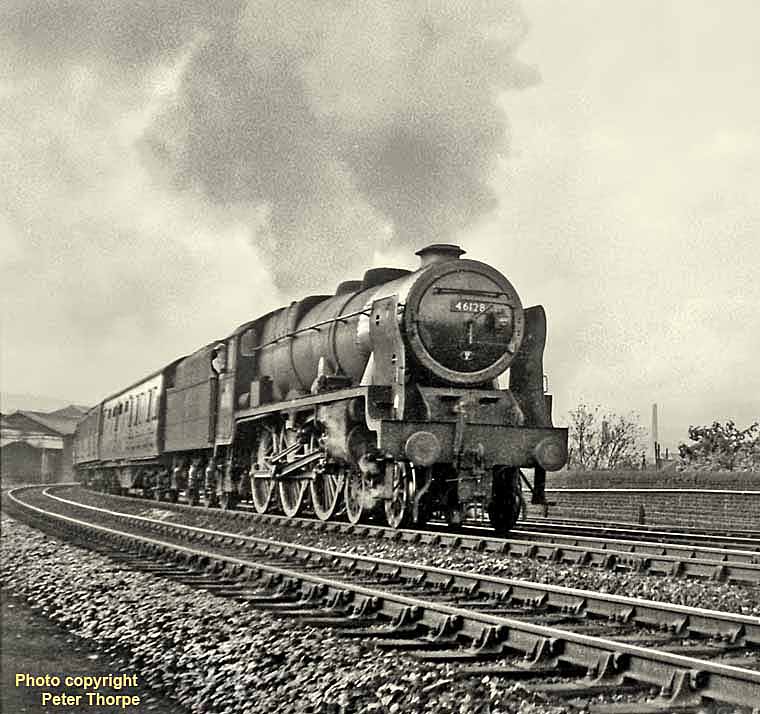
(727, 597)
(215, 655)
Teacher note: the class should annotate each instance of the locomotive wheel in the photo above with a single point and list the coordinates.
(398, 508)
(424, 511)
(506, 503)
(325, 494)
(263, 487)
(228, 501)
(294, 488)
(292, 491)
(356, 494)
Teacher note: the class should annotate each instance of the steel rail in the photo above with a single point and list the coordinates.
(731, 627)
(740, 538)
(608, 662)
(643, 557)
(629, 535)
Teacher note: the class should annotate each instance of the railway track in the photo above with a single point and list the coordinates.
(736, 539)
(595, 642)
(611, 553)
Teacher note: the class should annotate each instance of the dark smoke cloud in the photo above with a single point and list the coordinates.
(351, 121)
(357, 125)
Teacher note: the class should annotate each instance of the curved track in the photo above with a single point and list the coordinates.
(612, 553)
(736, 539)
(441, 614)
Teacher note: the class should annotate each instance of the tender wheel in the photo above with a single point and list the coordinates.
(356, 494)
(262, 487)
(325, 492)
(173, 495)
(210, 499)
(192, 496)
(506, 502)
(398, 508)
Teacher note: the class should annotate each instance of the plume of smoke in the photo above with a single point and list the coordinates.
(350, 121)
(357, 125)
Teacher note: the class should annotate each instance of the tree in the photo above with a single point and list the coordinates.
(603, 441)
(722, 447)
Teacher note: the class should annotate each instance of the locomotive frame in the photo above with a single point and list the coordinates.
(381, 400)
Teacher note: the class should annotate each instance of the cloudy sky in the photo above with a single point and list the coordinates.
(172, 169)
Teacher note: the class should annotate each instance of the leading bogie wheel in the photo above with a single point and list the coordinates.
(356, 495)
(398, 509)
(506, 501)
(228, 500)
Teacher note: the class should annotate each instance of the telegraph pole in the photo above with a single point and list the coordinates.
(655, 438)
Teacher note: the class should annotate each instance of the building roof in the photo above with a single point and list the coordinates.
(73, 411)
(65, 424)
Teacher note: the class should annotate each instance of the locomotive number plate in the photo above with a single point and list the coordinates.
(470, 306)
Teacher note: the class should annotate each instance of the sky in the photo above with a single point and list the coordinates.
(173, 169)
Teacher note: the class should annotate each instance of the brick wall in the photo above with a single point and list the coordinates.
(669, 478)
(703, 499)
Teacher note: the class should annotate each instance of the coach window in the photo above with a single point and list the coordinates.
(248, 343)
(219, 358)
(232, 354)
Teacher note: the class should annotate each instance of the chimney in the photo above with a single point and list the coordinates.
(438, 253)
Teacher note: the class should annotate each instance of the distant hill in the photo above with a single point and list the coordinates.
(10, 402)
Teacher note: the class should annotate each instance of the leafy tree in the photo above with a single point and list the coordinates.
(603, 441)
(722, 447)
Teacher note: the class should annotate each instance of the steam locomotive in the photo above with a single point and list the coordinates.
(388, 400)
